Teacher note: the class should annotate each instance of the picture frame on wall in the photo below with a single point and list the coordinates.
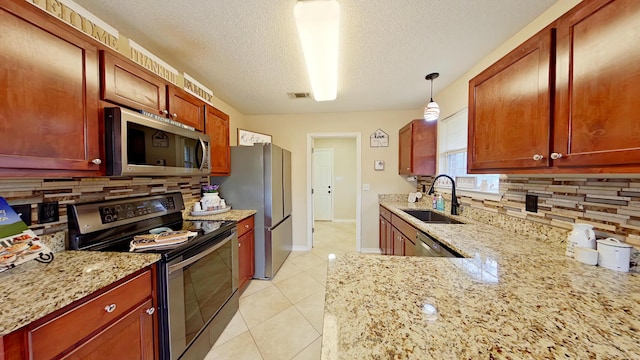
(248, 138)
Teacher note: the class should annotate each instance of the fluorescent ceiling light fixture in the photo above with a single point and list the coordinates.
(317, 23)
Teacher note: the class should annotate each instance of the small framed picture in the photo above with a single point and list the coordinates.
(378, 165)
(248, 138)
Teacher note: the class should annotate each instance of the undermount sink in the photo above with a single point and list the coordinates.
(429, 216)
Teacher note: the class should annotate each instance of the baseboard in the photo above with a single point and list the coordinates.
(370, 251)
(344, 220)
(299, 248)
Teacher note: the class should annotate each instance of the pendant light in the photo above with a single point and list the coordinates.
(432, 110)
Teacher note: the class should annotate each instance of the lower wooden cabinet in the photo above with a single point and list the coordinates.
(386, 237)
(119, 323)
(246, 260)
(130, 337)
(397, 237)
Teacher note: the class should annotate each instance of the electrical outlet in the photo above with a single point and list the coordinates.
(24, 211)
(531, 203)
(48, 212)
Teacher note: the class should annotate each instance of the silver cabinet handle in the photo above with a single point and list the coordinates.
(110, 308)
(150, 311)
(165, 111)
(556, 156)
(96, 161)
(175, 116)
(538, 157)
(239, 244)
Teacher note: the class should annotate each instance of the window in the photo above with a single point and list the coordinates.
(452, 157)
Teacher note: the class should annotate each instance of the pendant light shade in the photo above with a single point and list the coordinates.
(432, 110)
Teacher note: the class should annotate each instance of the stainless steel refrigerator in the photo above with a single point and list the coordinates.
(261, 180)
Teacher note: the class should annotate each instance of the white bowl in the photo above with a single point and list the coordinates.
(585, 255)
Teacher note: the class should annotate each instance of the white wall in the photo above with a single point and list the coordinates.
(290, 131)
(344, 176)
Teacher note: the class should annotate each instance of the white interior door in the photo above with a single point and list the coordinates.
(322, 184)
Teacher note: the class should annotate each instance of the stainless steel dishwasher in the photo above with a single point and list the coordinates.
(428, 246)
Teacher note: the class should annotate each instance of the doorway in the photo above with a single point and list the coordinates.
(322, 184)
(353, 205)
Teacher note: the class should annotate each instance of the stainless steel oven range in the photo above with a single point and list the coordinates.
(197, 280)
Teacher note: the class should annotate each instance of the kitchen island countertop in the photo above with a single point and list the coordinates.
(33, 290)
(513, 297)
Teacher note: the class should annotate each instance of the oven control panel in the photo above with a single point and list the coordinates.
(135, 209)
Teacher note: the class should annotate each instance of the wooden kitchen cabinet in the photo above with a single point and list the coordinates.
(406, 234)
(596, 118)
(246, 260)
(566, 100)
(49, 116)
(509, 108)
(217, 125)
(418, 148)
(125, 83)
(386, 238)
(117, 323)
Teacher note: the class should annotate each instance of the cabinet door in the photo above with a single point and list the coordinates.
(245, 258)
(131, 337)
(383, 224)
(409, 248)
(404, 151)
(124, 83)
(510, 109)
(218, 130)
(186, 108)
(424, 147)
(49, 100)
(398, 242)
(597, 118)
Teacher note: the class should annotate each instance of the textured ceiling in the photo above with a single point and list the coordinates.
(247, 51)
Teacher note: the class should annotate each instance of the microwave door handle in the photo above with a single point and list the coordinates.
(204, 153)
(191, 260)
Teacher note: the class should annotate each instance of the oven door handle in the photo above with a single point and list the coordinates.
(191, 260)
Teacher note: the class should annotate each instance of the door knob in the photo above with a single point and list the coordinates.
(175, 116)
(110, 308)
(150, 311)
(96, 161)
(165, 111)
(537, 157)
(556, 156)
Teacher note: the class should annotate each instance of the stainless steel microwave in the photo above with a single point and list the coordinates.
(138, 144)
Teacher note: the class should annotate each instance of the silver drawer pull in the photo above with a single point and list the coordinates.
(150, 311)
(246, 226)
(110, 308)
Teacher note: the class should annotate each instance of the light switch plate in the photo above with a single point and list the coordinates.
(366, 187)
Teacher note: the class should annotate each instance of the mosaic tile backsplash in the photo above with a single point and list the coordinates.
(611, 205)
(79, 190)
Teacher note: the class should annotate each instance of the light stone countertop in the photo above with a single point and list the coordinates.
(33, 290)
(235, 215)
(512, 298)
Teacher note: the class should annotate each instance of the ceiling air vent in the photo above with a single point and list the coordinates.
(298, 95)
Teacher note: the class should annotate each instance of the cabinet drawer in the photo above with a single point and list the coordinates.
(385, 213)
(404, 227)
(245, 225)
(53, 337)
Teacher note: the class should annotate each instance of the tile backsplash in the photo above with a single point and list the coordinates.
(610, 204)
(78, 190)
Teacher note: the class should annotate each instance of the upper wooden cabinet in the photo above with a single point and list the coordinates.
(218, 131)
(125, 83)
(418, 148)
(509, 107)
(49, 116)
(566, 100)
(597, 117)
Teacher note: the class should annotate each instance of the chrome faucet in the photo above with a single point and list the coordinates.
(454, 200)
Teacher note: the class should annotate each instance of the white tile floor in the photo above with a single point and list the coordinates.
(282, 319)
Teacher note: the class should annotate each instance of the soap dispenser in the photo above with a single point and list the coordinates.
(440, 203)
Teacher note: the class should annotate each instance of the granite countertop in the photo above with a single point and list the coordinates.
(33, 290)
(514, 297)
(235, 215)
